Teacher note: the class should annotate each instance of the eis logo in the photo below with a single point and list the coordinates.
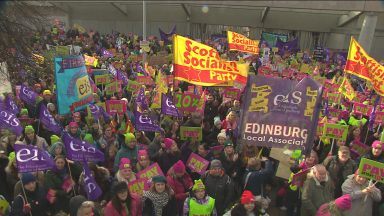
(288, 103)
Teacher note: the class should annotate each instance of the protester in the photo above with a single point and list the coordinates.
(32, 139)
(199, 203)
(337, 207)
(32, 200)
(123, 203)
(318, 189)
(219, 186)
(247, 206)
(160, 199)
(363, 195)
(125, 173)
(128, 150)
(255, 177)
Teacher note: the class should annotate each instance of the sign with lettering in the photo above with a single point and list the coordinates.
(197, 163)
(299, 178)
(116, 106)
(133, 86)
(362, 108)
(149, 172)
(138, 186)
(371, 169)
(358, 149)
(145, 80)
(186, 102)
(102, 79)
(113, 87)
(191, 132)
(232, 93)
(334, 98)
(335, 131)
(379, 117)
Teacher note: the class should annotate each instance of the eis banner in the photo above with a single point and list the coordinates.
(359, 63)
(74, 91)
(241, 43)
(280, 113)
(201, 65)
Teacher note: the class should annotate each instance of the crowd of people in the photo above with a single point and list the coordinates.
(240, 178)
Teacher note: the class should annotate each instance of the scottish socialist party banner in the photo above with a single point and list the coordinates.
(74, 91)
(201, 65)
(280, 113)
(241, 43)
(359, 63)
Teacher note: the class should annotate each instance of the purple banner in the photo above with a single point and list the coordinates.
(144, 122)
(95, 111)
(167, 37)
(31, 159)
(280, 113)
(77, 150)
(11, 106)
(90, 186)
(27, 95)
(107, 54)
(9, 120)
(167, 106)
(141, 103)
(48, 121)
(290, 46)
(121, 76)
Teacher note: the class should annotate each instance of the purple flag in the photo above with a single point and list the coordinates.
(8, 120)
(121, 76)
(77, 150)
(144, 122)
(31, 159)
(28, 96)
(290, 46)
(141, 103)
(112, 70)
(140, 69)
(326, 108)
(11, 106)
(373, 114)
(107, 54)
(48, 121)
(95, 111)
(167, 106)
(90, 186)
(167, 37)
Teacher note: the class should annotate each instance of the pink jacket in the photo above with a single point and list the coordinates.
(134, 210)
(177, 185)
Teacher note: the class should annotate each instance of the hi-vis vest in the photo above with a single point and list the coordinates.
(197, 209)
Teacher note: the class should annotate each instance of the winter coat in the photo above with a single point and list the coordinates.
(256, 179)
(166, 160)
(180, 186)
(168, 210)
(36, 199)
(315, 194)
(359, 206)
(134, 208)
(239, 210)
(339, 172)
(220, 188)
(126, 152)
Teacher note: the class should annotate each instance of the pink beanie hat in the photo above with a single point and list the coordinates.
(73, 124)
(168, 143)
(376, 143)
(344, 202)
(179, 167)
(143, 154)
(124, 163)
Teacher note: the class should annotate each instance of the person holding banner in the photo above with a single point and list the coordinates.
(32, 139)
(32, 201)
(363, 196)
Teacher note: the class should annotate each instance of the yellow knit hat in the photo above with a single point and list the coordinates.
(199, 185)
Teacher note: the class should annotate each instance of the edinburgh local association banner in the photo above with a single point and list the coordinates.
(74, 92)
(280, 113)
(201, 65)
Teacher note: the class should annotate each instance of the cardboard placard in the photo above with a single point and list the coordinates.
(191, 132)
(379, 117)
(116, 106)
(113, 87)
(138, 186)
(145, 80)
(102, 79)
(133, 86)
(359, 149)
(334, 98)
(232, 93)
(186, 102)
(197, 163)
(299, 178)
(335, 131)
(372, 170)
(362, 108)
(149, 172)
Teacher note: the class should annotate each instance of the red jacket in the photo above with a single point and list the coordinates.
(135, 209)
(179, 186)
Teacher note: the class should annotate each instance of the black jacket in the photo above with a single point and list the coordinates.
(168, 210)
(36, 199)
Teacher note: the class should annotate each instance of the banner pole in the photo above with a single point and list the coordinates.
(26, 200)
(333, 143)
(70, 175)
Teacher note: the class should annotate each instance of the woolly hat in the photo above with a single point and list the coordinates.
(75, 203)
(124, 163)
(119, 187)
(179, 167)
(199, 185)
(129, 137)
(89, 138)
(168, 143)
(55, 139)
(228, 143)
(216, 120)
(142, 154)
(344, 202)
(247, 197)
(29, 129)
(222, 134)
(73, 124)
(377, 143)
(216, 164)
(24, 111)
(47, 92)
(159, 179)
(27, 178)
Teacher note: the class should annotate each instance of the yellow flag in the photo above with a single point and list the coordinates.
(346, 89)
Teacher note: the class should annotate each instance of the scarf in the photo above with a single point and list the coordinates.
(158, 200)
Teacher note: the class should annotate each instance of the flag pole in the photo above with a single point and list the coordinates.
(26, 199)
(70, 175)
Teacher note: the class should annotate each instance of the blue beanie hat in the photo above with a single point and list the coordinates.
(27, 178)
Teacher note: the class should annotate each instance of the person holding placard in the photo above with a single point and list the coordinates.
(362, 195)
